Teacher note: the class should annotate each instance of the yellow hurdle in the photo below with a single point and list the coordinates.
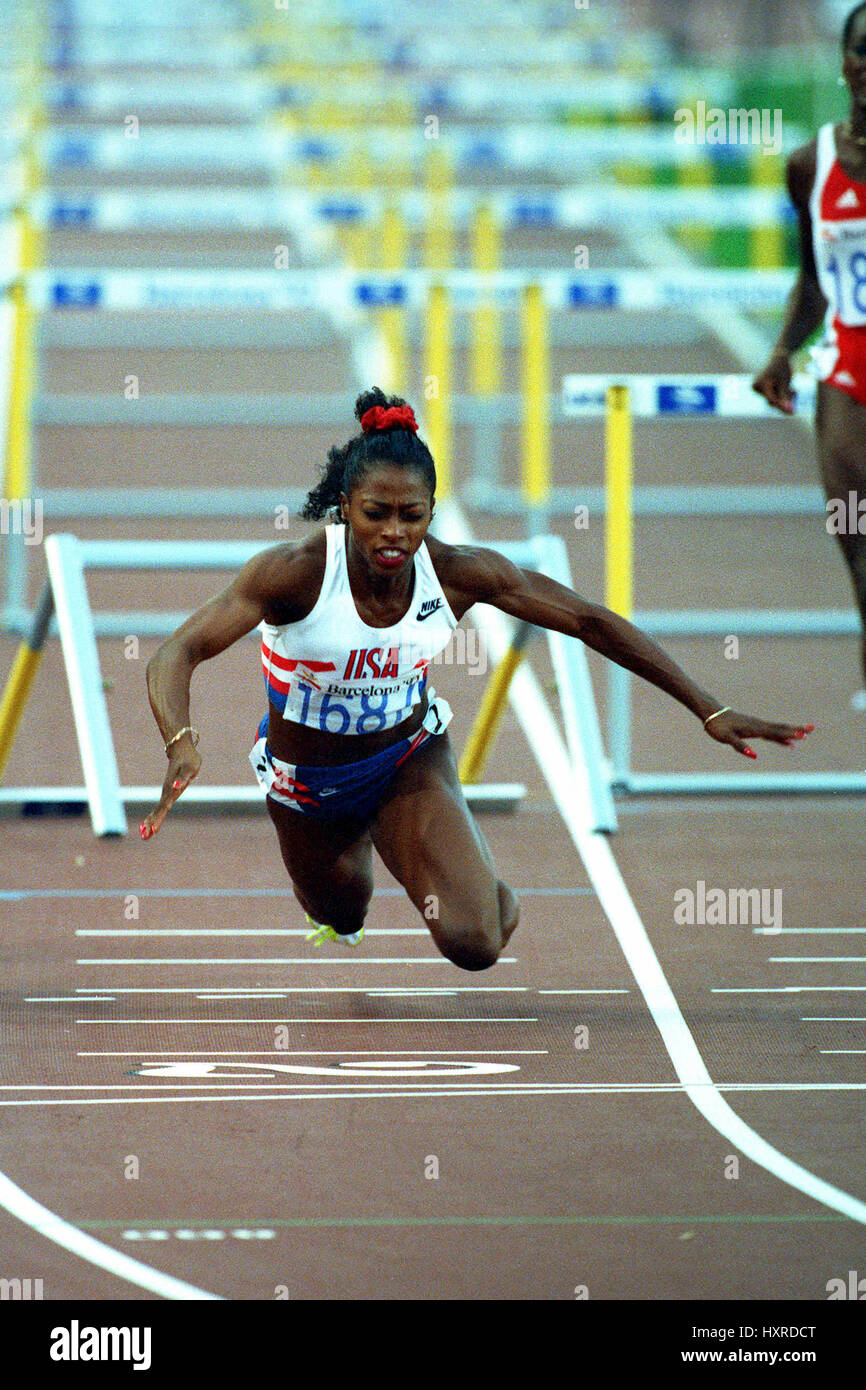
(23, 671)
(766, 243)
(481, 735)
(439, 249)
(486, 363)
(392, 319)
(437, 385)
(535, 435)
(16, 485)
(619, 514)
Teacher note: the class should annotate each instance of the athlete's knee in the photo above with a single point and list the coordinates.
(471, 952)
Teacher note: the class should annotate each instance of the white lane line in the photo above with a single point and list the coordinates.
(275, 960)
(258, 994)
(584, 991)
(491, 1091)
(816, 960)
(843, 1051)
(54, 1228)
(410, 993)
(335, 1052)
(568, 784)
(211, 1022)
(239, 931)
(69, 999)
(833, 1018)
(792, 989)
(89, 993)
(808, 931)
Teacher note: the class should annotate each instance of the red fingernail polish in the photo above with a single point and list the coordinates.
(749, 753)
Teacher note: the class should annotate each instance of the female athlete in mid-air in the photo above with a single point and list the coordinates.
(827, 184)
(354, 750)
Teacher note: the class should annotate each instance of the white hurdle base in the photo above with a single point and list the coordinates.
(492, 797)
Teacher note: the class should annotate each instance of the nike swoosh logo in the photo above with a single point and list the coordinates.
(422, 617)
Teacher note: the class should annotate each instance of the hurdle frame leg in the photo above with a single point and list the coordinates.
(81, 657)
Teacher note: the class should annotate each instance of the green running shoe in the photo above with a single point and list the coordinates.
(322, 933)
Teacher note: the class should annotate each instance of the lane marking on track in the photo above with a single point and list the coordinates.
(792, 989)
(816, 960)
(833, 1018)
(275, 960)
(808, 931)
(92, 994)
(265, 1092)
(23, 894)
(311, 1222)
(584, 991)
(209, 1022)
(334, 1052)
(54, 1228)
(567, 779)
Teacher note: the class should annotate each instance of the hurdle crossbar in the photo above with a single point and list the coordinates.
(617, 397)
(68, 559)
(189, 210)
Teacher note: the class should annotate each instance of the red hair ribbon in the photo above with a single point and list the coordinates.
(385, 418)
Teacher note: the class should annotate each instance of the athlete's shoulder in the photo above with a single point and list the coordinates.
(287, 577)
(474, 572)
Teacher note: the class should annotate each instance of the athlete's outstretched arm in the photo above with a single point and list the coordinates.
(206, 633)
(806, 303)
(535, 598)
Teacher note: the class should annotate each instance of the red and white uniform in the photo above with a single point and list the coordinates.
(838, 211)
(334, 672)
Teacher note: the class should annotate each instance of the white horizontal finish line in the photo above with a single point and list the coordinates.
(210, 1022)
(238, 931)
(334, 1052)
(94, 996)
(492, 1091)
(275, 960)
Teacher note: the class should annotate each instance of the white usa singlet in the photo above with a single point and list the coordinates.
(334, 672)
(838, 210)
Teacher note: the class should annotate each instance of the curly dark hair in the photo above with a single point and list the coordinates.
(348, 464)
(849, 24)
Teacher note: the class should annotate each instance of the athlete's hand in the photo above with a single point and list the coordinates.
(734, 729)
(774, 383)
(183, 766)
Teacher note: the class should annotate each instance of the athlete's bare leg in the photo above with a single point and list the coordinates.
(840, 426)
(329, 863)
(428, 839)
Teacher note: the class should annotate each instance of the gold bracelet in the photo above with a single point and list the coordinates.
(726, 710)
(187, 729)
